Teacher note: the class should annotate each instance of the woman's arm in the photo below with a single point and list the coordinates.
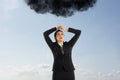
(73, 40)
(46, 36)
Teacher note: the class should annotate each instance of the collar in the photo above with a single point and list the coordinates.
(60, 44)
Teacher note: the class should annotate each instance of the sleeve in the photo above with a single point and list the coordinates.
(47, 38)
(73, 40)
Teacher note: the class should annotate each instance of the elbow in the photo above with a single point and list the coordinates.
(78, 32)
(44, 33)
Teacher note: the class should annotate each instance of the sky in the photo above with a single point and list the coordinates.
(24, 52)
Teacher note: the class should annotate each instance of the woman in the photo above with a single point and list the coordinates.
(63, 68)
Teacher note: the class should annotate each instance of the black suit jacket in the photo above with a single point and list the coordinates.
(62, 55)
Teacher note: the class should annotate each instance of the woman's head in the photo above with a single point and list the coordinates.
(59, 36)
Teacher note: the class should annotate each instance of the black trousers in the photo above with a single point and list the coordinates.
(63, 75)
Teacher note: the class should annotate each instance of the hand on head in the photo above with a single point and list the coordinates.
(61, 27)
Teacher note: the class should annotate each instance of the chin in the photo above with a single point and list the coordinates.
(60, 40)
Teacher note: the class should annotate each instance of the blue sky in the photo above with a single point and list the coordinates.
(22, 42)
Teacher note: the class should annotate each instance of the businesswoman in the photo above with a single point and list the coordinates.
(63, 68)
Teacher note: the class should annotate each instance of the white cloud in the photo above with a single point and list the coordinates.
(43, 72)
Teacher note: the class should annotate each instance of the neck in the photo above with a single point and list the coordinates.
(60, 43)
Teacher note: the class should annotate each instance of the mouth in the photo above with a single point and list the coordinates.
(61, 38)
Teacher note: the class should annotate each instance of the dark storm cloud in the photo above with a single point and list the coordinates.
(63, 8)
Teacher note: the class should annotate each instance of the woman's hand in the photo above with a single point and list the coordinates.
(61, 27)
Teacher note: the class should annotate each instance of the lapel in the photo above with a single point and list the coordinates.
(61, 48)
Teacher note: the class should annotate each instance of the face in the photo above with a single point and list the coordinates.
(59, 36)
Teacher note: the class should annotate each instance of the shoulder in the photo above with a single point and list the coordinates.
(54, 43)
(65, 43)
